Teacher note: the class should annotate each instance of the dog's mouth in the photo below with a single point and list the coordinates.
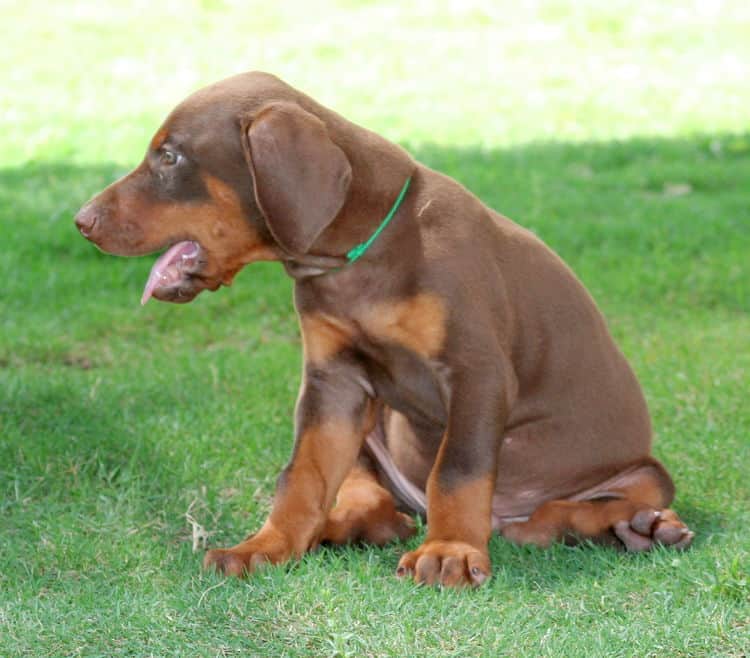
(173, 275)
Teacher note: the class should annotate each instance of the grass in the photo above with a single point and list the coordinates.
(617, 133)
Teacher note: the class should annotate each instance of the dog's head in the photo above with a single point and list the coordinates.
(238, 172)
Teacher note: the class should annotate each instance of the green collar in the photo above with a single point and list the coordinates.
(357, 252)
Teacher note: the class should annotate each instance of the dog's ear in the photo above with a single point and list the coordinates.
(301, 177)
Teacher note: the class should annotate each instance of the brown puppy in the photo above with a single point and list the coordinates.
(456, 367)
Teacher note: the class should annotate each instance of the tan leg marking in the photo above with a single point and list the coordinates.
(454, 553)
(303, 500)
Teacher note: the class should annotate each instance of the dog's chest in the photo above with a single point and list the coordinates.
(407, 382)
(398, 343)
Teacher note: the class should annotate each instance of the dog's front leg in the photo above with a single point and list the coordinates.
(461, 485)
(333, 415)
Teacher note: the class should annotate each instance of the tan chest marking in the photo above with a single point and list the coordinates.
(417, 323)
(323, 337)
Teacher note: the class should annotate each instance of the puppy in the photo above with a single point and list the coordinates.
(453, 364)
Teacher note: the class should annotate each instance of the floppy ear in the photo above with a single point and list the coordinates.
(301, 177)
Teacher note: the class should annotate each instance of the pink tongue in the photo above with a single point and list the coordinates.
(167, 270)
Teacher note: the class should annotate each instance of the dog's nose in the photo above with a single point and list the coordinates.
(86, 219)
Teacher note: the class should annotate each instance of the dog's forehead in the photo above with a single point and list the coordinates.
(195, 116)
(198, 129)
(221, 104)
(240, 93)
(205, 127)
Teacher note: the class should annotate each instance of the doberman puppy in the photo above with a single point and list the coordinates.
(453, 364)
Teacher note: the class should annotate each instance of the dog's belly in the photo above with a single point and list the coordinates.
(413, 455)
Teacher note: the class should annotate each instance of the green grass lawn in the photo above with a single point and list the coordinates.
(617, 131)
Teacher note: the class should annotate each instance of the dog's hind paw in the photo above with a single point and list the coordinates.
(650, 527)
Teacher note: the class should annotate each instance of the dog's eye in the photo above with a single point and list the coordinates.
(169, 158)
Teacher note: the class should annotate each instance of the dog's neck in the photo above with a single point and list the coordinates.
(308, 266)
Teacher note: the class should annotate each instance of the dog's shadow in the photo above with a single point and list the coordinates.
(534, 569)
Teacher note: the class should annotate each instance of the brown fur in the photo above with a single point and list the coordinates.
(459, 339)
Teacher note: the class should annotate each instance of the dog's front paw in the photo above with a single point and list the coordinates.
(447, 563)
(267, 546)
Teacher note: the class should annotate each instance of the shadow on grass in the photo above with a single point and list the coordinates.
(71, 430)
(652, 226)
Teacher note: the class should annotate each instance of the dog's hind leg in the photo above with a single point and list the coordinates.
(365, 512)
(630, 510)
